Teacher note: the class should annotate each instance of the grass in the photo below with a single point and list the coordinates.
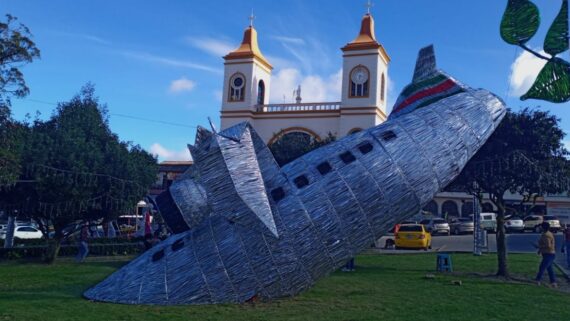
(384, 287)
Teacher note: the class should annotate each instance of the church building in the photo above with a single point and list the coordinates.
(247, 83)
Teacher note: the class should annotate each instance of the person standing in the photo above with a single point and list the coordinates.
(566, 245)
(546, 248)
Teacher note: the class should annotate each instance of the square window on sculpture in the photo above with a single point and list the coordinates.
(365, 148)
(347, 157)
(388, 136)
(324, 168)
(301, 181)
(277, 194)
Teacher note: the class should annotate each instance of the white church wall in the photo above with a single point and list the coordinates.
(372, 60)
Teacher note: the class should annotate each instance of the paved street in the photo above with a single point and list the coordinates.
(521, 242)
(516, 243)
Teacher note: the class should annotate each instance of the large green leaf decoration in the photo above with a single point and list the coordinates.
(556, 40)
(552, 83)
(520, 21)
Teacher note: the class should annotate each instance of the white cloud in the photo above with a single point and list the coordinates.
(169, 61)
(292, 40)
(89, 37)
(314, 88)
(212, 46)
(524, 71)
(165, 154)
(181, 85)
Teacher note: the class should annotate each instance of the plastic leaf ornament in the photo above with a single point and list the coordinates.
(556, 40)
(520, 22)
(552, 83)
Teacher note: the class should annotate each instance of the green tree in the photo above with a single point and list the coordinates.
(16, 49)
(291, 146)
(12, 134)
(525, 155)
(81, 171)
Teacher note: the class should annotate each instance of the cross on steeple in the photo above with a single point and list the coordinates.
(251, 18)
(369, 5)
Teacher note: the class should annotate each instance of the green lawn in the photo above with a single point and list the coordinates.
(384, 287)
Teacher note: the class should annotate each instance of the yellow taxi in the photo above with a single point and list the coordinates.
(413, 236)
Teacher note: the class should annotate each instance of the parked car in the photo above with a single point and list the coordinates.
(413, 236)
(553, 221)
(461, 225)
(25, 232)
(436, 226)
(513, 224)
(532, 223)
(564, 220)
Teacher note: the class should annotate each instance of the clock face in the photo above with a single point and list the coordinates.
(238, 82)
(359, 75)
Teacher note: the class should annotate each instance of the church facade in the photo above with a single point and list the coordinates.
(247, 84)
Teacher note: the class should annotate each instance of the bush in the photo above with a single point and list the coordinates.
(97, 247)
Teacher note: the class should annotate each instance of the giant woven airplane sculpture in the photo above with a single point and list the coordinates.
(246, 228)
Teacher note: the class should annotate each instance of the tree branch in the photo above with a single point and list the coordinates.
(534, 52)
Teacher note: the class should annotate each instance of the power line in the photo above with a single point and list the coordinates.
(157, 121)
(152, 120)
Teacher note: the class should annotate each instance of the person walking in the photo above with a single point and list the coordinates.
(566, 245)
(546, 248)
(82, 245)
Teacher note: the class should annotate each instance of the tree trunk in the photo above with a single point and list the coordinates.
(502, 266)
(53, 249)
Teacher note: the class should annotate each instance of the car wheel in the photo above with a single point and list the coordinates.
(429, 246)
(537, 229)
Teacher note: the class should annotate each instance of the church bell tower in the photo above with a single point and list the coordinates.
(364, 79)
(247, 76)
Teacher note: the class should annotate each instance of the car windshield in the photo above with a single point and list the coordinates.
(488, 217)
(439, 221)
(465, 220)
(410, 228)
(550, 217)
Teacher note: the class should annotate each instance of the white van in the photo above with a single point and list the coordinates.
(489, 222)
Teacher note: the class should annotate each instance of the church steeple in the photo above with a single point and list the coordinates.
(366, 39)
(248, 48)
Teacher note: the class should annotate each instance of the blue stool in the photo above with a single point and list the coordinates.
(444, 263)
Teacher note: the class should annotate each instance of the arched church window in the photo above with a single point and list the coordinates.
(359, 82)
(382, 87)
(260, 92)
(237, 87)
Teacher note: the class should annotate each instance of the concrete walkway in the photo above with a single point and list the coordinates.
(561, 264)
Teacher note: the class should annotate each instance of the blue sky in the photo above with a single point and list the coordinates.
(162, 59)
